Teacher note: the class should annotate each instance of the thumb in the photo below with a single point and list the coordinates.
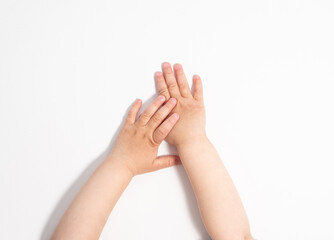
(165, 161)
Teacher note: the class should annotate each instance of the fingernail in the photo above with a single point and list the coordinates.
(158, 74)
(175, 116)
(161, 98)
(196, 76)
(177, 66)
(172, 100)
(166, 65)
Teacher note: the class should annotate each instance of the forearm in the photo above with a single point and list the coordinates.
(90, 209)
(134, 152)
(218, 200)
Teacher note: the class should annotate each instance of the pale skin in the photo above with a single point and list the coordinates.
(178, 116)
(135, 152)
(219, 203)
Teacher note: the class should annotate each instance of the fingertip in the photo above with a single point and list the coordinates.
(161, 98)
(177, 66)
(138, 103)
(165, 65)
(173, 100)
(158, 74)
(196, 77)
(175, 116)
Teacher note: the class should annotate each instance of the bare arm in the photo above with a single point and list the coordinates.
(219, 203)
(134, 152)
(90, 209)
(220, 206)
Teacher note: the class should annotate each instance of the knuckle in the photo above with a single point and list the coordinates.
(173, 85)
(128, 130)
(125, 129)
(169, 162)
(156, 118)
(135, 132)
(160, 164)
(183, 88)
(181, 84)
(145, 115)
(159, 133)
(164, 92)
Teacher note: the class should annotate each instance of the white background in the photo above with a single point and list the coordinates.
(70, 69)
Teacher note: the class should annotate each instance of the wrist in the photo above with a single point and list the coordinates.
(191, 141)
(119, 164)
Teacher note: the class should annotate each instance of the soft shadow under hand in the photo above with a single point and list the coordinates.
(67, 197)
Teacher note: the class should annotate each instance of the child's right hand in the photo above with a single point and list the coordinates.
(190, 106)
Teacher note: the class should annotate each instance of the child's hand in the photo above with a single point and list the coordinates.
(134, 152)
(219, 203)
(189, 106)
(137, 144)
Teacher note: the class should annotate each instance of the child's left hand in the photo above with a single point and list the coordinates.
(137, 145)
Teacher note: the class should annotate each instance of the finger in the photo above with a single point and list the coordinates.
(150, 110)
(173, 88)
(165, 162)
(131, 118)
(182, 81)
(198, 87)
(162, 113)
(161, 85)
(162, 131)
